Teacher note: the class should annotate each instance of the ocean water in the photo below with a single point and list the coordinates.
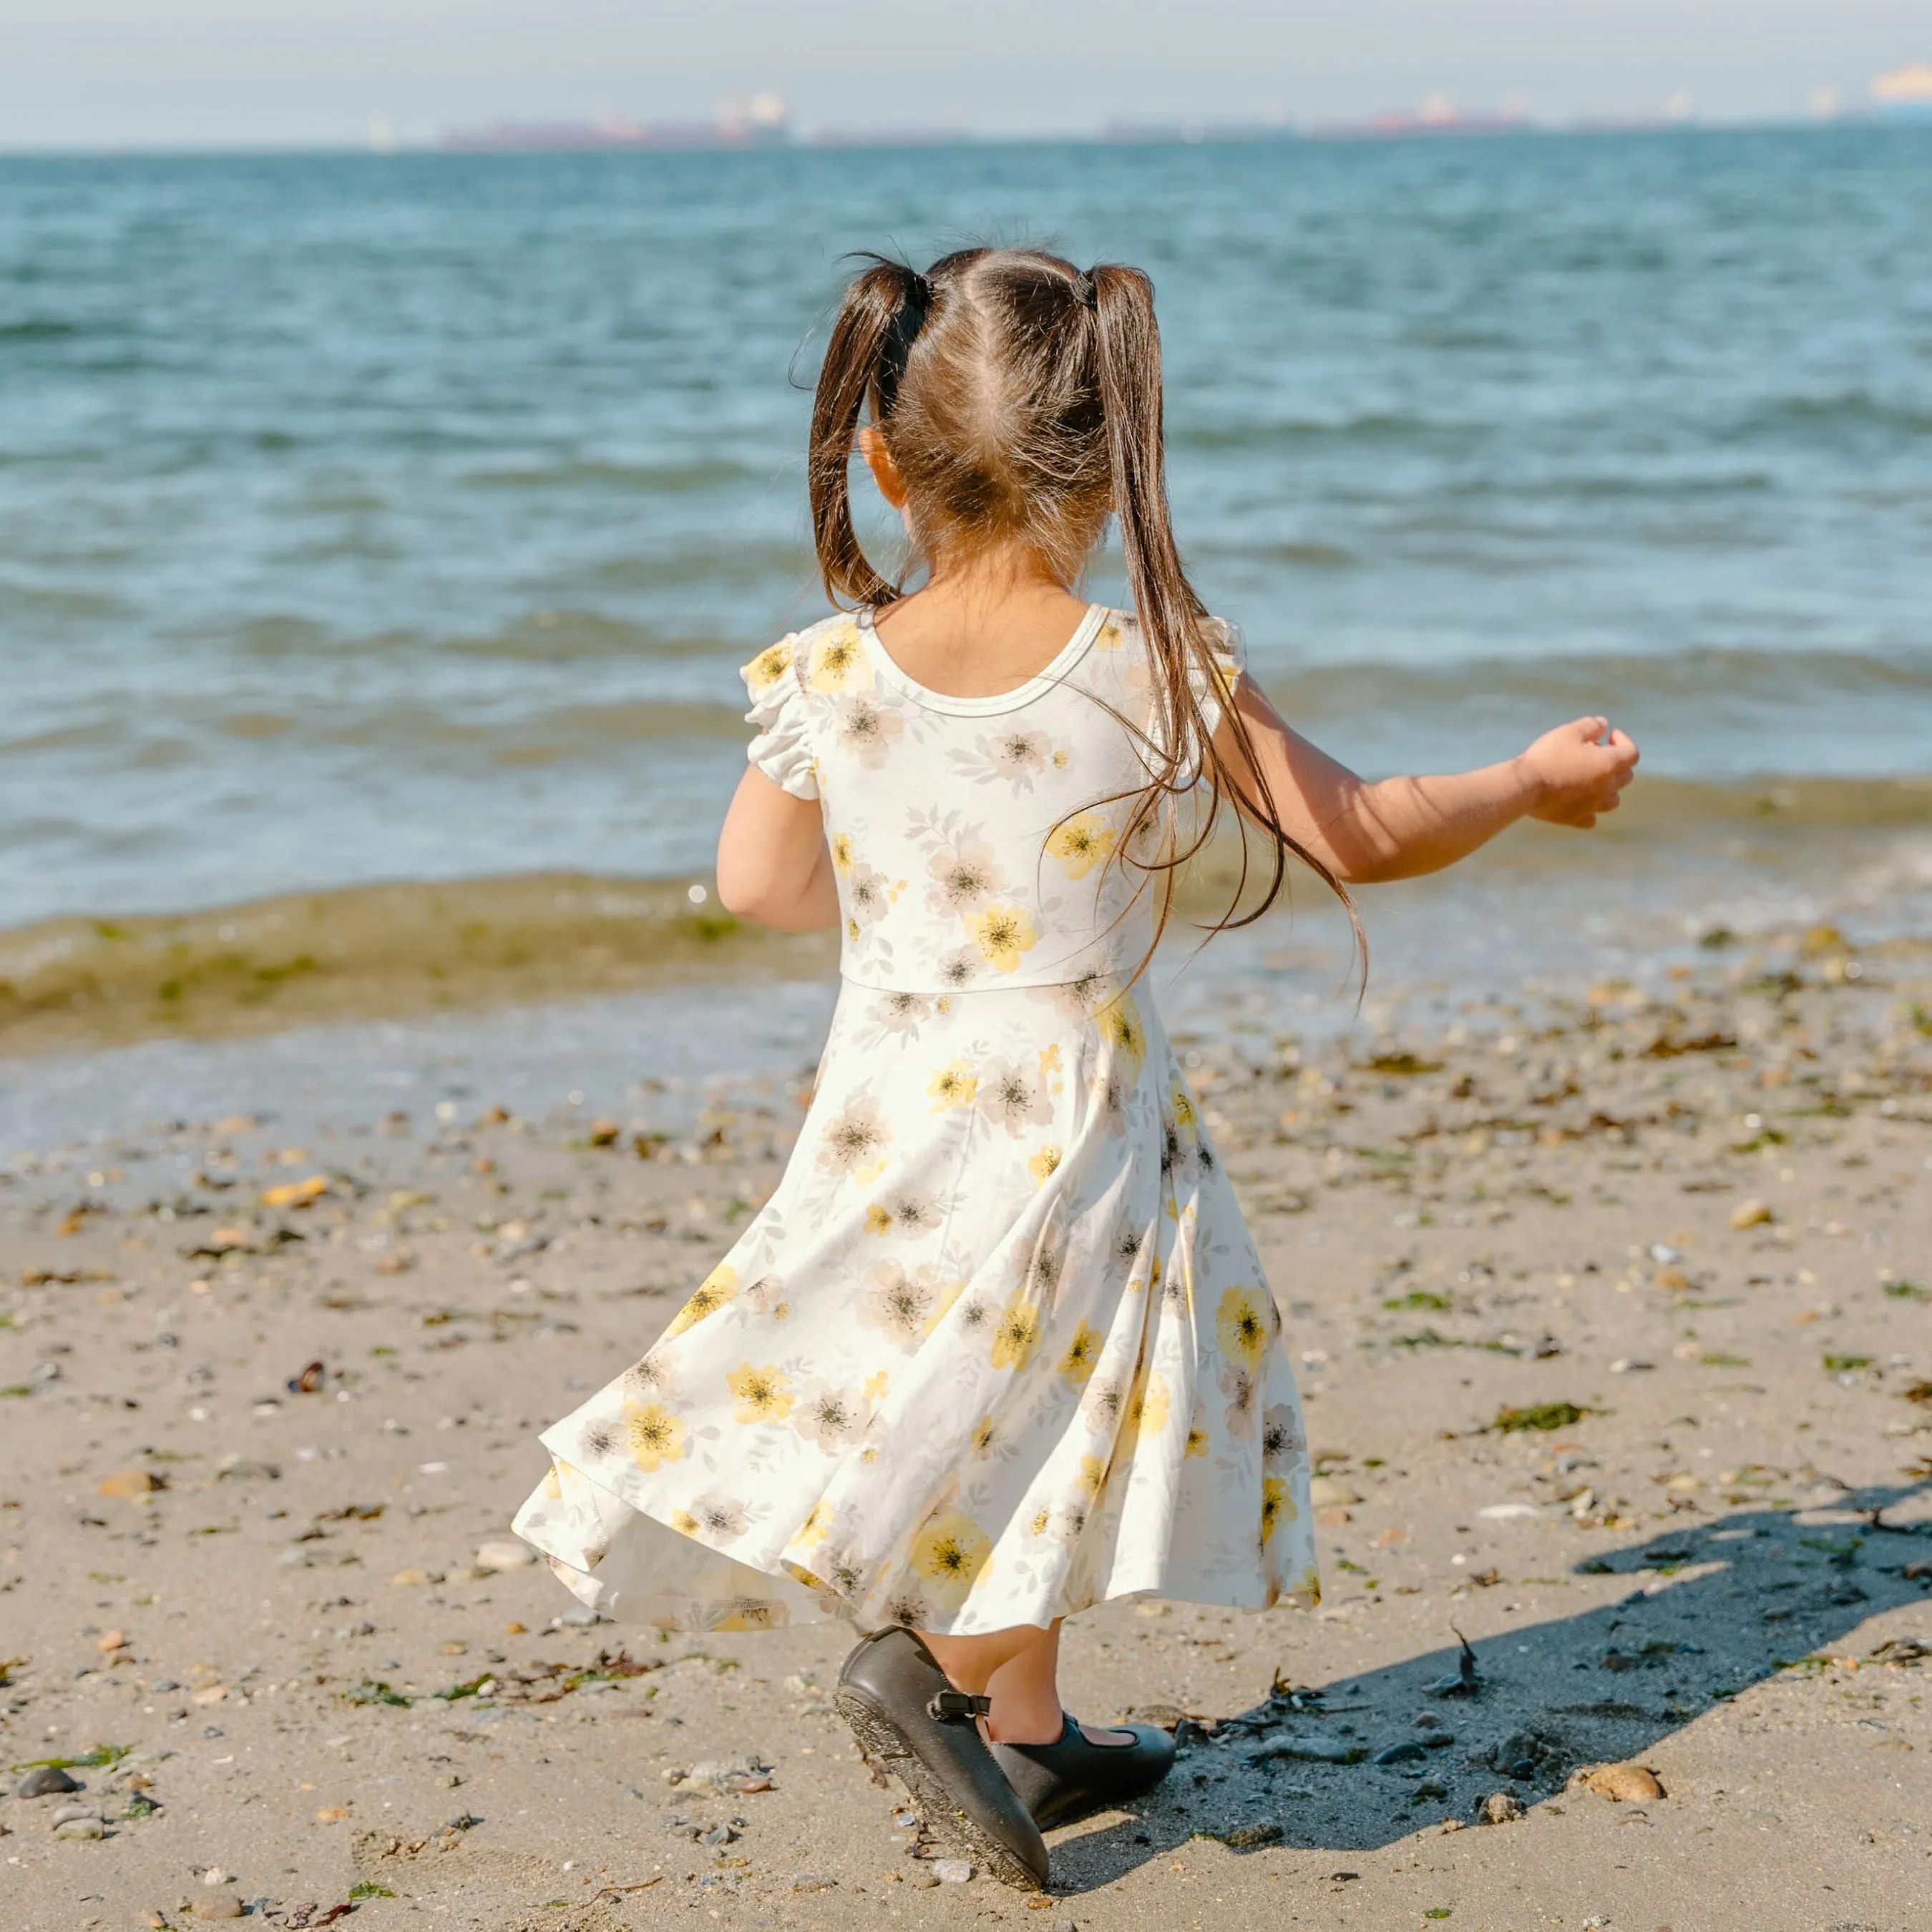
(367, 519)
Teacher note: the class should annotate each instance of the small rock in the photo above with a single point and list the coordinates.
(505, 1555)
(81, 1827)
(110, 1641)
(47, 1781)
(1306, 1750)
(1624, 1783)
(951, 1871)
(1431, 1787)
(1407, 1752)
(1751, 1213)
(218, 1905)
(67, 1813)
(923, 1880)
(1500, 1807)
(816, 1882)
(1251, 1838)
(1325, 1493)
(128, 1485)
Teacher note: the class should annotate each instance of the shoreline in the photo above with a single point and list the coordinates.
(1679, 860)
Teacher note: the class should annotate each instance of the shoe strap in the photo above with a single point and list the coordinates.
(953, 1706)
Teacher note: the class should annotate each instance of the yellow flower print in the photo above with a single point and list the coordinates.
(986, 1434)
(1197, 1442)
(836, 660)
(751, 1616)
(552, 1485)
(951, 1551)
(1016, 1333)
(768, 667)
(954, 1085)
(878, 1221)
(1277, 1505)
(1093, 1476)
(876, 1384)
(656, 1436)
(717, 1288)
(1120, 1023)
(1147, 1407)
(1242, 1327)
(1043, 1164)
(841, 850)
(1183, 1102)
(949, 1293)
(684, 1522)
(1003, 933)
(1041, 1517)
(1080, 843)
(764, 1394)
(816, 1527)
(1083, 1352)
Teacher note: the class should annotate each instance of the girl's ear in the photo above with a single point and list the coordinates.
(885, 471)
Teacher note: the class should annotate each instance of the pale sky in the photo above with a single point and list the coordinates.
(223, 73)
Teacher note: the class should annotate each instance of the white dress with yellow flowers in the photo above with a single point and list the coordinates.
(999, 1347)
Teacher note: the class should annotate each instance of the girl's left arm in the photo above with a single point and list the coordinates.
(773, 865)
(1402, 828)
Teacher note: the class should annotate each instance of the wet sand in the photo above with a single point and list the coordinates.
(1614, 1317)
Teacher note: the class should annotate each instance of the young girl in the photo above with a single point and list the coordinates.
(999, 1347)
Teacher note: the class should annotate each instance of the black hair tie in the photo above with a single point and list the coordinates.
(915, 300)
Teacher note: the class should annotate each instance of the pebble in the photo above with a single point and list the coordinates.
(1621, 1784)
(1431, 1787)
(218, 1905)
(1500, 1807)
(952, 1871)
(1307, 1750)
(1325, 1493)
(67, 1813)
(505, 1555)
(1407, 1752)
(1251, 1838)
(46, 1782)
(81, 1827)
(1751, 1213)
(923, 1880)
(814, 1881)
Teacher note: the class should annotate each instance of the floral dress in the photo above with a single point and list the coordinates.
(999, 1347)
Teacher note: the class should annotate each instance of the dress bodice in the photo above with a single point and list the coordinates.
(976, 841)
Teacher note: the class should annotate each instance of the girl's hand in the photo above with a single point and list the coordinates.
(1577, 772)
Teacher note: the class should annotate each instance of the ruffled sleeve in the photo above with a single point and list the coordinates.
(1213, 688)
(780, 711)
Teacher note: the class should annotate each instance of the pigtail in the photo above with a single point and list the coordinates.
(865, 360)
(1127, 358)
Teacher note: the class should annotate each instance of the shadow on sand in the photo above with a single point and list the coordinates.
(1718, 1606)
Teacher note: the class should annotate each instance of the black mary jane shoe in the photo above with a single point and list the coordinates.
(1073, 1776)
(911, 1722)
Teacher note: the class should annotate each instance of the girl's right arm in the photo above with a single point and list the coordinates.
(1402, 828)
(773, 865)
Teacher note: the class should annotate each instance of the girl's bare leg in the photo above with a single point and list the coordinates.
(1018, 1669)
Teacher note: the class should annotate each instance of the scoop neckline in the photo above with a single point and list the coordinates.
(1069, 655)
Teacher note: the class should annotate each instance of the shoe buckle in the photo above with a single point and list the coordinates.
(950, 1706)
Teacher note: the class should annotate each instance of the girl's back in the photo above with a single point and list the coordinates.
(976, 841)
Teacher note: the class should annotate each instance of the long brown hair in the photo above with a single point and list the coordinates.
(1020, 400)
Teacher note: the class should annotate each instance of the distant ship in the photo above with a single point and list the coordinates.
(761, 122)
(1905, 91)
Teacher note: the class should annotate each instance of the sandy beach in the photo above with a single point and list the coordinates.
(1612, 1311)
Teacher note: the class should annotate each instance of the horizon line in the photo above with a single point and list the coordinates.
(1182, 131)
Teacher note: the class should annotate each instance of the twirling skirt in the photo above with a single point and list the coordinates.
(998, 1348)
